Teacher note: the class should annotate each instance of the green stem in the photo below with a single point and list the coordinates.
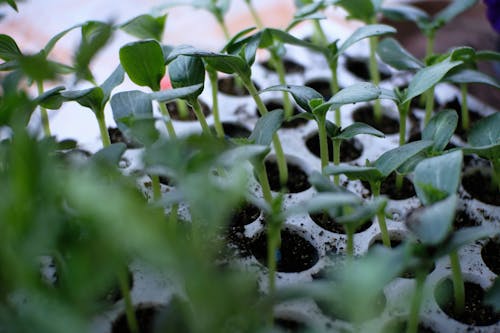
(155, 184)
(280, 155)
(319, 36)
(465, 108)
(429, 48)
(106, 141)
(224, 28)
(212, 75)
(336, 158)
(255, 15)
(182, 108)
(323, 140)
(273, 241)
(416, 302)
(260, 170)
(129, 308)
(280, 69)
(168, 121)
(429, 105)
(201, 117)
(43, 112)
(375, 77)
(350, 241)
(386, 240)
(458, 283)
(334, 88)
(403, 114)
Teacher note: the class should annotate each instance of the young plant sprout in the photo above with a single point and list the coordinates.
(316, 108)
(374, 173)
(309, 10)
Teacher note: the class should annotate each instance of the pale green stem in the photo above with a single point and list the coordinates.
(155, 184)
(319, 35)
(43, 112)
(280, 69)
(350, 241)
(323, 141)
(386, 240)
(201, 117)
(280, 155)
(403, 114)
(168, 121)
(375, 77)
(260, 170)
(336, 158)
(182, 108)
(465, 108)
(212, 75)
(429, 105)
(106, 141)
(273, 245)
(255, 15)
(458, 283)
(129, 308)
(334, 88)
(224, 28)
(416, 303)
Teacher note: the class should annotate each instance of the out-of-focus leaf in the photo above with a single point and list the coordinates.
(146, 26)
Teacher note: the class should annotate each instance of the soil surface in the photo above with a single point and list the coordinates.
(387, 125)
(350, 149)
(399, 325)
(463, 220)
(297, 178)
(115, 136)
(491, 256)
(329, 223)
(291, 67)
(295, 254)
(289, 325)
(359, 67)
(475, 313)
(235, 131)
(227, 86)
(480, 186)
(173, 111)
(146, 317)
(388, 188)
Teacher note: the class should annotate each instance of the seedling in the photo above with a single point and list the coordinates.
(374, 173)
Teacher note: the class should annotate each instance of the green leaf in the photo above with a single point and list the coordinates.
(133, 114)
(363, 32)
(440, 129)
(286, 38)
(266, 127)
(172, 94)
(432, 224)
(52, 42)
(91, 98)
(389, 94)
(404, 13)
(442, 173)
(187, 71)
(454, 9)
(487, 55)
(146, 27)
(428, 77)
(325, 201)
(143, 62)
(486, 131)
(358, 92)
(358, 128)
(243, 153)
(323, 184)
(471, 76)
(368, 174)
(51, 99)
(362, 10)
(364, 212)
(110, 155)
(12, 3)
(301, 94)
(8, 48)
(37, 67)
(114, 80)
(393, 54)
(392, 159)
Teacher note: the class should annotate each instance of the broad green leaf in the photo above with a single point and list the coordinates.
(428, 77)
(323, 184)
(392, 159)
(489, 152)
(266, 127)
(471, 76)
(455, 8)
(440, 129)
(91, 98)
(389, 94)
(393, 54)
(110, 155)
(332, 130)
(187, 71)
(8, 48)
(432, 224)
(37, 67)
(301, 94)
(146, 27)
(236, 38)
(51, 99)
(404, 13)
(441, 172)
(368, 174)
(114, 80)
(12, 3)
(358, 128)
(486, 131)
(358, 92)
(362, 10)
(143, 62)
(363, 32)
(172, 94)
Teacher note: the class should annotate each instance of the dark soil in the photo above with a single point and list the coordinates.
(399, 325)
(491, 255)
(394, 242)
(235, 233)
(245, 214)
(146, 317)
(166, 181)
(473, 117)
(289, 325)
(273, 105)
(480, 186)
(475, 314)
(463, 220)
(359, 67)
(227, 86)
(322, 86)
(410, 273)
(291, 67)
(297, 178)
(387, 125)
(340, 312)
(116, 136)
(349, 149)
(235, 131)
(329, 223)
(388, 188)
(191, 116)
(295, 254)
